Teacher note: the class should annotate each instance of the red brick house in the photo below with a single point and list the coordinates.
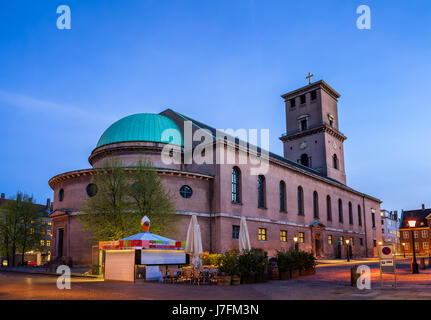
(421, 232)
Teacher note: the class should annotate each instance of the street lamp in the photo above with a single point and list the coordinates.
(348, 247)
(415, 267)
(404, 249)
(295, 239)
(380, 243)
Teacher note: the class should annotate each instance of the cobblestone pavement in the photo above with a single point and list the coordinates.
(329, 282)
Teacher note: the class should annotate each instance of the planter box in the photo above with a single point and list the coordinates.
(236, 280)
(223, 280)
(294, 273)
(247, 279)
(285, 275)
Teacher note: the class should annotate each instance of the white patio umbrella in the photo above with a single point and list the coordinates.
(194, 242)
(244, 237)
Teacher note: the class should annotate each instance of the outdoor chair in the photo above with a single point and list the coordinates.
(171, 275)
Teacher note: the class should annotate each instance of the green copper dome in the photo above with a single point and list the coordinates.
(142, 127)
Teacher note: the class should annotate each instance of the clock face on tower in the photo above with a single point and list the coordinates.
(303, 145)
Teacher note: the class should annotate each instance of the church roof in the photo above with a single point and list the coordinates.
(418, 215)
(141, 127)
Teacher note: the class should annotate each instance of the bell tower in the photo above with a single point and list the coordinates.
(312, 135)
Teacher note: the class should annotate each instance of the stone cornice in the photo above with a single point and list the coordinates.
(322, 128)
(318, 84)
(90, 172)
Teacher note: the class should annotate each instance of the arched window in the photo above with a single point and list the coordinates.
(261, 191)
(236, 185)
(335, 161)
(282, 194)
(315, 205)
(304, 160)
(328, 208)
(359, 215)
(350, 213)
(61, 195)
(300, 201)
(340, 211)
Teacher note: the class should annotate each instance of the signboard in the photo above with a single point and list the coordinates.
(387, 261)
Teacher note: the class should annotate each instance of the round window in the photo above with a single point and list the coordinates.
(61, 195)
(186, 192)
(91, 190)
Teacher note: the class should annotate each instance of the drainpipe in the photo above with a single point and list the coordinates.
(365, 227)
(211, 190)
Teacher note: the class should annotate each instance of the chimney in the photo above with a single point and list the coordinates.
(2, 195)
(423, 206)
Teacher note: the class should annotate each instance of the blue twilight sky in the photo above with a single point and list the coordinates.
(223, 62)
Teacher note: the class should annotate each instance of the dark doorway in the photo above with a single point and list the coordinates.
(338, 251)
(304, 160)
(60, 236)
(318, 245)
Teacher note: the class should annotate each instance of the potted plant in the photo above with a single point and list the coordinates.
(227, 265)
(295, 264)
(309, 265)
(284, 263)
(261, 265)
(246, 264)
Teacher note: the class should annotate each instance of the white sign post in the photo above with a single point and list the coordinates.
(387, 262)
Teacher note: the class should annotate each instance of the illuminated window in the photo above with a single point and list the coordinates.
(262, 234)
(424, 233)
(31, 230)
(301, 237)
(49, 223)
(407, 246)
(48, 243)
(48, 232)
(330, 239)
(283, 235)
(42, 242)
(416, 245)
(416, 234)
(43, 222)
(426, 245)
(406, 234)
(340, 240)
(43, 232)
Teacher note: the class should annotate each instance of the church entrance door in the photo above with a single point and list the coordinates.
(318, 245)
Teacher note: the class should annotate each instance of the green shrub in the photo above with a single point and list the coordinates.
(295, 259)
(252, 262)
(228, 263)
(210, 258)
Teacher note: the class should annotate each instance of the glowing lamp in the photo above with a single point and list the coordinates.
(295, 239)
(347, 241)
(412, 223)
(380, 243)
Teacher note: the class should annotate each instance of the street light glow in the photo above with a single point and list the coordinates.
(412, 223)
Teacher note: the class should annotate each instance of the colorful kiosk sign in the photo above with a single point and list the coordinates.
(124, 260)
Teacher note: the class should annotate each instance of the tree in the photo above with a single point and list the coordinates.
(124, 196)
(108, 215)
(19, 227)
(150, 199)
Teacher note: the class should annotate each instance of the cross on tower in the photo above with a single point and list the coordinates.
(309, 77)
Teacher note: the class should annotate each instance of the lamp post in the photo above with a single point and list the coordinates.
(295, 240)
(404, 249)
(415, 267)
(347, 250)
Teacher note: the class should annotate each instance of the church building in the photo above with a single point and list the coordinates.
(302, 196)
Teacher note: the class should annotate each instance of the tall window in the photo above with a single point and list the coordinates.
(303, 124)
(330, 239)
(235, 232)
(313, 95)
(315, 205)
(328, 208)
(305, 161)
(373, 219)
(301, 237)
(283, 235)
(350, 213)
(236, 174)
(282, 194)
(261, 191)
(335, 161)
(359, 215)
(340, 211)
(302, 98)
(300, 201)
(292, 103)
(262, 234)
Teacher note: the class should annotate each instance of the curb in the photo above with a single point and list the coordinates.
(76, 275)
